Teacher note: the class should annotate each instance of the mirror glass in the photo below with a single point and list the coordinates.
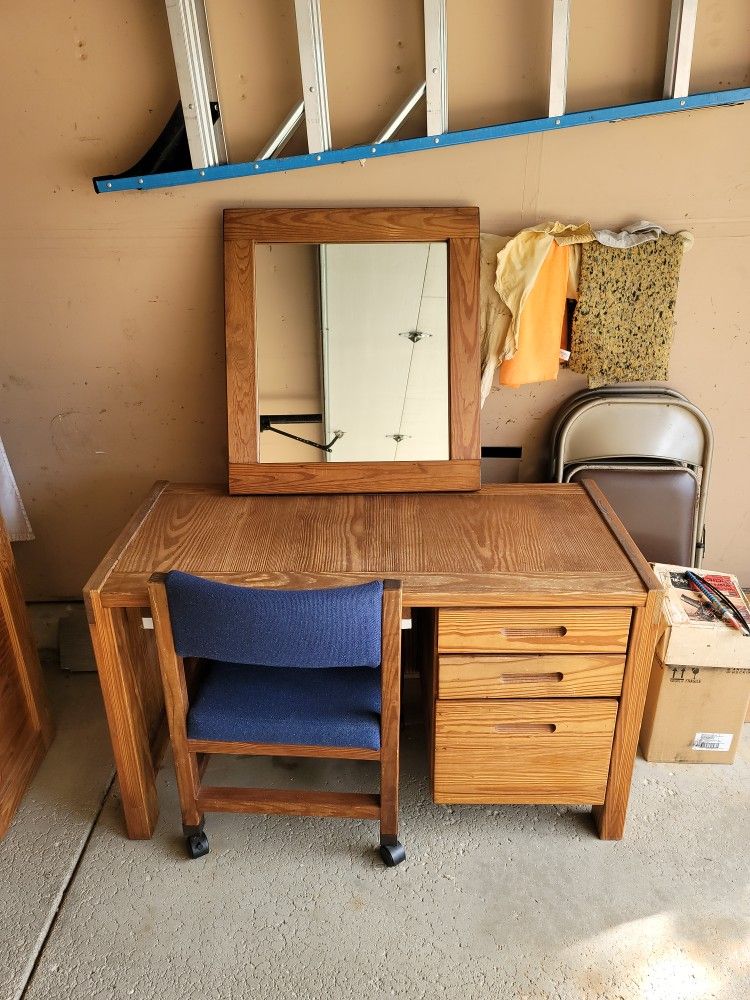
(352, 351)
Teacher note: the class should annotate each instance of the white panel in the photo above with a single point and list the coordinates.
(377, 381)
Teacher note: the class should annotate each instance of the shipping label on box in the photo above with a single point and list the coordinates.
(713, 741)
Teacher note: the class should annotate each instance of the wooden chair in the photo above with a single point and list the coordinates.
(306, 673)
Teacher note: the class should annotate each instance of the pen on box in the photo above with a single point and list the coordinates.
(726, 602)
(726, 614)
(694, 603)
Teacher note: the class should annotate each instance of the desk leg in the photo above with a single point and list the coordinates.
(610, 817)
(123, 703)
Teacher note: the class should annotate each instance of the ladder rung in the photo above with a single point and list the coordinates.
(395, 123)
(558, 72)
(283, 134)
(436, 65)
(313, 68)
(680, 47)
(188, 29)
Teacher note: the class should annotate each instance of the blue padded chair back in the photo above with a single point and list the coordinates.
(334, 627)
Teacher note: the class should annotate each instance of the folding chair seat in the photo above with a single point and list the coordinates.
(657, 505)
(313, 673)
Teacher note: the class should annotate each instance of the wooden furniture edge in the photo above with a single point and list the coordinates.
(126, 721)
(390, 708)
(275, 801)
(113, 554)
(346, 225)
(459, 228)
(610, 817)
(131, 591)
(16, 780)
(240, 360)
(23, 648)
(280, 750)
(449, 475)
(464, 348)
(622, 535)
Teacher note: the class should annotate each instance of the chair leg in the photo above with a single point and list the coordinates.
(391, 850)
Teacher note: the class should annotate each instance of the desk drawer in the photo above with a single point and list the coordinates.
(543, 751)
(533, 630)
(530, 675)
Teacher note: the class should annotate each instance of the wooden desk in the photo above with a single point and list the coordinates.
(583, 597)
(26, 728)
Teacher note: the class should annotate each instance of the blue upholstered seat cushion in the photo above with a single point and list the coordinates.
(331, 627)
(337, 707)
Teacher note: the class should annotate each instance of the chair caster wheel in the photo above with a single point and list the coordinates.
(392, 854)
(197, 844)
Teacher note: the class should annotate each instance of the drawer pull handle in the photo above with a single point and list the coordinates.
(534, 631)
(525, 728)
(554, 678)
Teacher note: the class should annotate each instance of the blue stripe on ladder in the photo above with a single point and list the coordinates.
(226, 171)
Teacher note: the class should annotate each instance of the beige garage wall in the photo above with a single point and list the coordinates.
(112, 332)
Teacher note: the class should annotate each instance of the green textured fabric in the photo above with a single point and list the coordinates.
(624, 319)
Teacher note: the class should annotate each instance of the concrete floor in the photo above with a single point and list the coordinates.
(40, 852)
(513, 902)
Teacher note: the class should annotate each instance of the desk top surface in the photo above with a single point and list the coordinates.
(516, 544)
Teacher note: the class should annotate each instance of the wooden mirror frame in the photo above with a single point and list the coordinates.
(459, 228)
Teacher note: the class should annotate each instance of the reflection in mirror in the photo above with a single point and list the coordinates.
(352, 352)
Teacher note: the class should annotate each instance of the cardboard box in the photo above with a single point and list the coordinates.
(699, 689)
(694, 714)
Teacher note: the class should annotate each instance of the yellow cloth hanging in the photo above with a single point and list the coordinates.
(494, 315)
(535, 274)
(542, 324)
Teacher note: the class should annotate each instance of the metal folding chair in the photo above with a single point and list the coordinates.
(650, 450)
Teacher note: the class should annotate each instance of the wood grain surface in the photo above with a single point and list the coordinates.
(464, 349)
(114, 553)
(551, 675)
(533, 630)
(239, 321)
(356, 805)
(349, 225)
(459, 229)
(128, 712)
(355, 477)
(546, 751)
(548, 543)
(280, 750)
(390, 712)
(546, 546)
(26, 728)
(647, 623)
